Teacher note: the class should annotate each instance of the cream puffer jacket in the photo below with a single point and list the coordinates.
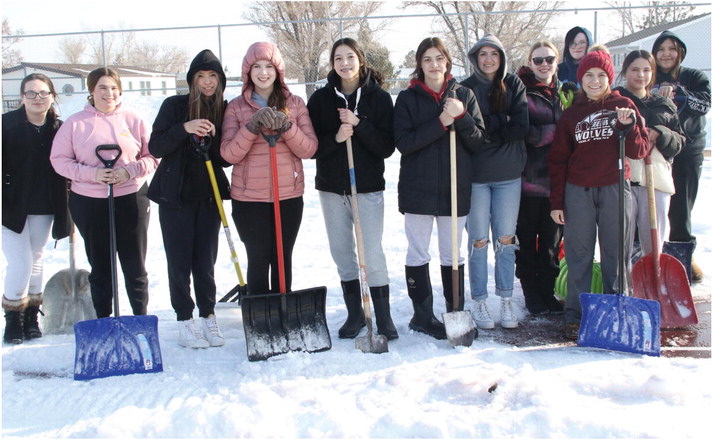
(663, 180)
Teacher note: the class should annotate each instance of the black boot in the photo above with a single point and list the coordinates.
(382, 311)
(447, 279)
(31, 327)
(13, 327)
(355, 312)
(534, 302)
(418, 283)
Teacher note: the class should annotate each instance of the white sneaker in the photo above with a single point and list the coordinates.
(508, 319)
(211, 331)
(189, 336)
(482, 315)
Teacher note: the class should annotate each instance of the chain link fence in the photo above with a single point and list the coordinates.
(400, 34)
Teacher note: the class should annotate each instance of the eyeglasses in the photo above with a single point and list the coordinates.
(580, 44)
(548, 60)
(31, 95)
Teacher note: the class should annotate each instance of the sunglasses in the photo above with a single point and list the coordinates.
(539, 60)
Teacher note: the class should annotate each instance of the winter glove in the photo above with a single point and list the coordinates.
(200, 145)
(281, 122)
(264, 117)
(566, 94)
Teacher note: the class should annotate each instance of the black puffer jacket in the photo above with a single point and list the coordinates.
(181, 176)
(424, 178)
(25, 167)
(373, 139)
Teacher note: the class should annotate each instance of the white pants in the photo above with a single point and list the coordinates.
(418, 233)
(640, 217)
(23, 253)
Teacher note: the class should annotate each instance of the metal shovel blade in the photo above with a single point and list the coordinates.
(372, 343)
(460, 328)
(61, 309)
(279, 323)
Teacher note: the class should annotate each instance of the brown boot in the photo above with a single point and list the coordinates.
(696, 272)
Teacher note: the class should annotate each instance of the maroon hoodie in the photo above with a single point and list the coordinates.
(585, 150)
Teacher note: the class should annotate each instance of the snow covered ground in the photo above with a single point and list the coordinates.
(421, 388)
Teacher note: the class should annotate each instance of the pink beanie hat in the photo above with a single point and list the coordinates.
(597, 58)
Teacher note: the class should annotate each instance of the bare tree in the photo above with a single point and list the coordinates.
(665, 12)
(507, 20)
(10, 56)
(303, 34)
(160, 58)
(627, 16)
(71, 50)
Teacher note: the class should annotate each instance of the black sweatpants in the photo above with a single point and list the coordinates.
(190, 239)
(255, 222)
(131, 215)
(686, 172)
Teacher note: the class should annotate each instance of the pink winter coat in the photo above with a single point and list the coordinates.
(74, 156)
(249, 153)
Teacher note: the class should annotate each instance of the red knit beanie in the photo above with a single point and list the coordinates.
(597, 58)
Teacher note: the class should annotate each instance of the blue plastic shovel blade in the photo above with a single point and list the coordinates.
(620, 323)
(117, 346)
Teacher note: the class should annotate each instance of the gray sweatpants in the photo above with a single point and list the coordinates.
(591, 214)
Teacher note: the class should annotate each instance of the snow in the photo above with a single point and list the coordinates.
(421, 388)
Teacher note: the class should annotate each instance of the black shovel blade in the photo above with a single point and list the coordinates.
(279, 323)
(460, 328)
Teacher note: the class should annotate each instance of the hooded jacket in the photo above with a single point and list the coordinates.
(73, 150)
(182, 177)
(373, 139)
(660, 114)
(585, 150)
(503, 156)
(544, 109)
(25, 167)
(692, 97)
(248, 152)
(567, 69)
(424, 177)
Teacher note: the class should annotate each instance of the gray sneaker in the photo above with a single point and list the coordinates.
(481, 315)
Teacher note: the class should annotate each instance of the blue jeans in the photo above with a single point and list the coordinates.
(493, 206)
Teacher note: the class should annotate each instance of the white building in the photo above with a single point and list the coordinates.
(70, 79)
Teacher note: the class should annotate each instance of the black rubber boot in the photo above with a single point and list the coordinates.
(355, 312)
(447, 279)
(418, 283)
(382, 311)
(13, 327)
(31, 328)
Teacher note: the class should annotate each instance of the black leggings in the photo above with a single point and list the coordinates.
(255, 222)
(131, 214)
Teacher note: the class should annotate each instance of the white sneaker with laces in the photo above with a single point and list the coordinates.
(481, 315)
(211, 331)
(190, 336)
(508, 319)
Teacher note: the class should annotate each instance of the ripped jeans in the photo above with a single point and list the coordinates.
(493, 206)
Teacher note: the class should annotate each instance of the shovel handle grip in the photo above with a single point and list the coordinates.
(108, 161)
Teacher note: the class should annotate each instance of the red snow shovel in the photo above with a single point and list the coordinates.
(661, 277)
(373, 343)
(284, 322)
(116, 345)
(459, 325)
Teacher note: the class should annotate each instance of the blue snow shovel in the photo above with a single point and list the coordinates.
(116, 345)
(616, 321)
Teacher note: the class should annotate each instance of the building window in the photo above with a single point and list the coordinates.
(131, 85)
(146, 88)
(163, 86)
